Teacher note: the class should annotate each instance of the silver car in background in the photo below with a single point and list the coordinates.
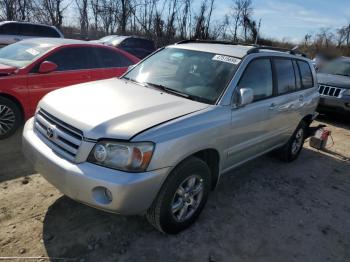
(157, 141)
(13, 31)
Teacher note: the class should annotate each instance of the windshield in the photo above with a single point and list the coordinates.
(196, 75)
(22, 54)
(337, 67)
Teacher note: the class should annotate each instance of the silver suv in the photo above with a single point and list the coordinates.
(334, 87)
(157, 140)
(13, 31)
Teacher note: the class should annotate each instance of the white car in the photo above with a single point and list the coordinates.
(12, 31)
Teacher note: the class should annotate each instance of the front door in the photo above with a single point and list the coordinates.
(72, 68)
(248, 133)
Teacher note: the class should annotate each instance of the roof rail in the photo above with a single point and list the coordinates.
(257, 49)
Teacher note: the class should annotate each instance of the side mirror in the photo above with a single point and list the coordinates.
(246, 96)
(47, 67)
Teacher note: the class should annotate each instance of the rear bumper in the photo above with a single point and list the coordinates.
(340, 105)
(132, 193)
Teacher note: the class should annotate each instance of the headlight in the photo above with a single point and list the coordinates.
(347, 92)
(133, 157)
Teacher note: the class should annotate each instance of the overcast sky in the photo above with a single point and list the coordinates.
(294, 18)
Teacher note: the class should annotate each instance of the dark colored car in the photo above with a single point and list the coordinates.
(138, 46)
(13, 31)
(334, 86)
(32, 68)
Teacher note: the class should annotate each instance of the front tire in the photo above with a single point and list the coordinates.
(182, 197)
(291, 150)
(10, 117)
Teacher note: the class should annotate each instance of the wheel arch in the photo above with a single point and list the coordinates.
(308, 119)
(211, 157)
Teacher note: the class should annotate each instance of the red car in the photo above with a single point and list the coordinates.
(31, 68)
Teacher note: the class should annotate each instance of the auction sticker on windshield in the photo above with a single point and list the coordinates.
(227, 59)
(32, 51)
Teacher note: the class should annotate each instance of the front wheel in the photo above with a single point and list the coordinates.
(292, 149)
(10, 117)
(182, 197)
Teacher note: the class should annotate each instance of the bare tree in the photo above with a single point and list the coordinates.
(94, 4)
(50, 11)
(247, 11)
(83, 8)
(236, 14)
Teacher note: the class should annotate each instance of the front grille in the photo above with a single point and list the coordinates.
(330, 91)
(62, 138)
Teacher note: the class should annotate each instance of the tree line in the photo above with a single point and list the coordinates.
(164, 21)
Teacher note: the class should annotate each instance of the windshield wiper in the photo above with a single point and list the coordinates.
(168, 90)
(343, 75)
(178, 93)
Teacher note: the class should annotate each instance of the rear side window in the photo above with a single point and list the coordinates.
(9, 29)
(306, 74)
(284, 75)
(258, 76)
(108, 58)
(70, 59)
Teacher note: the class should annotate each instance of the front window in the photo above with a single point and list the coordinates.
(337, 67)
(22, 54)
(196, 75)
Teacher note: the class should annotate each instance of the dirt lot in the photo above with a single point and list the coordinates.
(268, 211)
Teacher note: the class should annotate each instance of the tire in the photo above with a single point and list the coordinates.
(162, 214)
(10, 117)
(291, 150)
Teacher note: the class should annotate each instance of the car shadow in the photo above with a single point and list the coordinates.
(12, 162)
(340, 121)
(266, 211)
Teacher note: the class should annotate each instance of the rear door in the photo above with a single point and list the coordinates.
(108, 63)
(283, 108)
(72, 68)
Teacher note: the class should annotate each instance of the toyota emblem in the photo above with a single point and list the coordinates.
(50, 131)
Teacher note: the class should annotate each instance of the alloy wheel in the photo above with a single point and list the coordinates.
(7, 119)
(187, 198)
(298, 141)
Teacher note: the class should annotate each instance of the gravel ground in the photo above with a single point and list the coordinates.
(267, 211)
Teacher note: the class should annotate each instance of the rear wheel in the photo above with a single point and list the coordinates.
(182, 197)
(10, 117)
(292, 149)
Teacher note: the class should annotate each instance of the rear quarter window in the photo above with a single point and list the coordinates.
(108, 58)
(306, 74)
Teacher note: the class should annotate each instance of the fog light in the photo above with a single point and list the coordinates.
(102, 195)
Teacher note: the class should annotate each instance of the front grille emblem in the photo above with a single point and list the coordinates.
(50, 132)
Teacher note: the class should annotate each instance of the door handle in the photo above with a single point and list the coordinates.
(301, 98)
(16, 39)
(272, 106)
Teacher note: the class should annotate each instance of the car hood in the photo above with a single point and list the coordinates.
(115, 108)
(334, 80)
(6, 70)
